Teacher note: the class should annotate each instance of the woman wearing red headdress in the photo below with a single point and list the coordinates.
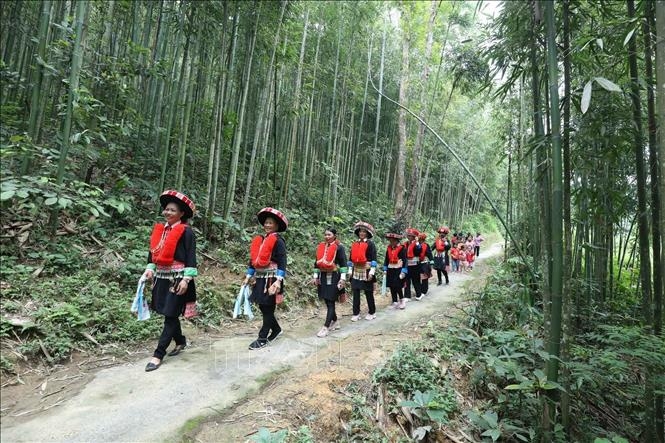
(266, 272)
(330, 276)
(172, 265)
(426, 260)
(394, 265)
(413, 250)
(441, 258)
(362, 267)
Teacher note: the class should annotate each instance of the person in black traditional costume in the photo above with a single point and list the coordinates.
(413, 264)
(362, 267)
(441, 257)
(394, 265)
(172, 266)
(426, 262)
(330, 276)
(266, 272)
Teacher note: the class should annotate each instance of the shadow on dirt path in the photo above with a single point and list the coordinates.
(221, 391)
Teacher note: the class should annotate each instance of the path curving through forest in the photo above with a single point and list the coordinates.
(125, 404)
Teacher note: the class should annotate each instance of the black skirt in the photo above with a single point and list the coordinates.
(392, 278)
(168, 303)
(260, 294)
(327, 290)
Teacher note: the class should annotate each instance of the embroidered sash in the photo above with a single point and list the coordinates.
(359, 252)
(393, 254)
(164, 241)
(325, 256)
(261, 248)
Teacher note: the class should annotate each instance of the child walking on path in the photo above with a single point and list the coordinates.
(463, 264)
(476, 242)
(454, 256)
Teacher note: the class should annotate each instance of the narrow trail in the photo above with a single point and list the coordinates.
(126, 404)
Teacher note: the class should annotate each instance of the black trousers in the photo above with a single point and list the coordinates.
(476, 250)
(369, 295)
(171, 331)
(331, 315)
(424, 286)
(269, 321)
(396, 294)
(445, 274)
(413, 278)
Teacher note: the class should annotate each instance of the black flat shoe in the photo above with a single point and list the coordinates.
(152, 366)
(258, 344)
(274, 335)
(176, 350)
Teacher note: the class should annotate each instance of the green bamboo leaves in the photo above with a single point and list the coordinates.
(586, 94)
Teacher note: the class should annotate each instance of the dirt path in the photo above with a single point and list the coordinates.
(221, 391)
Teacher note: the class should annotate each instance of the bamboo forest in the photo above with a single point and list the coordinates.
(389, 127)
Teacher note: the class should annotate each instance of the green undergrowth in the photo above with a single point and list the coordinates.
(485, 375)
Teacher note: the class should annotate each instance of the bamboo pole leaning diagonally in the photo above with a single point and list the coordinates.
(473, 178)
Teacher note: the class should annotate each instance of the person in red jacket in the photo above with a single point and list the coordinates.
(172, 265)
(266, 273)
(441, 258)
(394, 265)
(426, 261)
(361, 269)
(330, 276)
(413, 264)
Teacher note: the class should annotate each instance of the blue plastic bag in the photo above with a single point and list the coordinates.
(140, 305)
(242, 304)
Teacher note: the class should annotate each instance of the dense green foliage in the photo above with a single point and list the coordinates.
(495, 354)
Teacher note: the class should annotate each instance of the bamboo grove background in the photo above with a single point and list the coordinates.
(555, 107)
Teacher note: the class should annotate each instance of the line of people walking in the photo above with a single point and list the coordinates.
(407, 268)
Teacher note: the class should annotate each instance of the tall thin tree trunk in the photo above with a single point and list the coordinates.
(38, 72)
(290, 159)
(557, 295)
(378, 101)
(230, 189)
(643, 221)
(74, 75)
(400, 215)
(656, 214)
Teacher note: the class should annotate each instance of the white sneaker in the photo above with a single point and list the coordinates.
(355, 317)
(333, 326)
(394, 305)
(420, 297)
(323, 332)
(370, 316)
(402, 303)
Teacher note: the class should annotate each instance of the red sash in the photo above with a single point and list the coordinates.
(261, 248)
(325, 256)
(423, 251)
(359, 252)
(409, 249)
(162, 244)
(393, 253)
(440, 245)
